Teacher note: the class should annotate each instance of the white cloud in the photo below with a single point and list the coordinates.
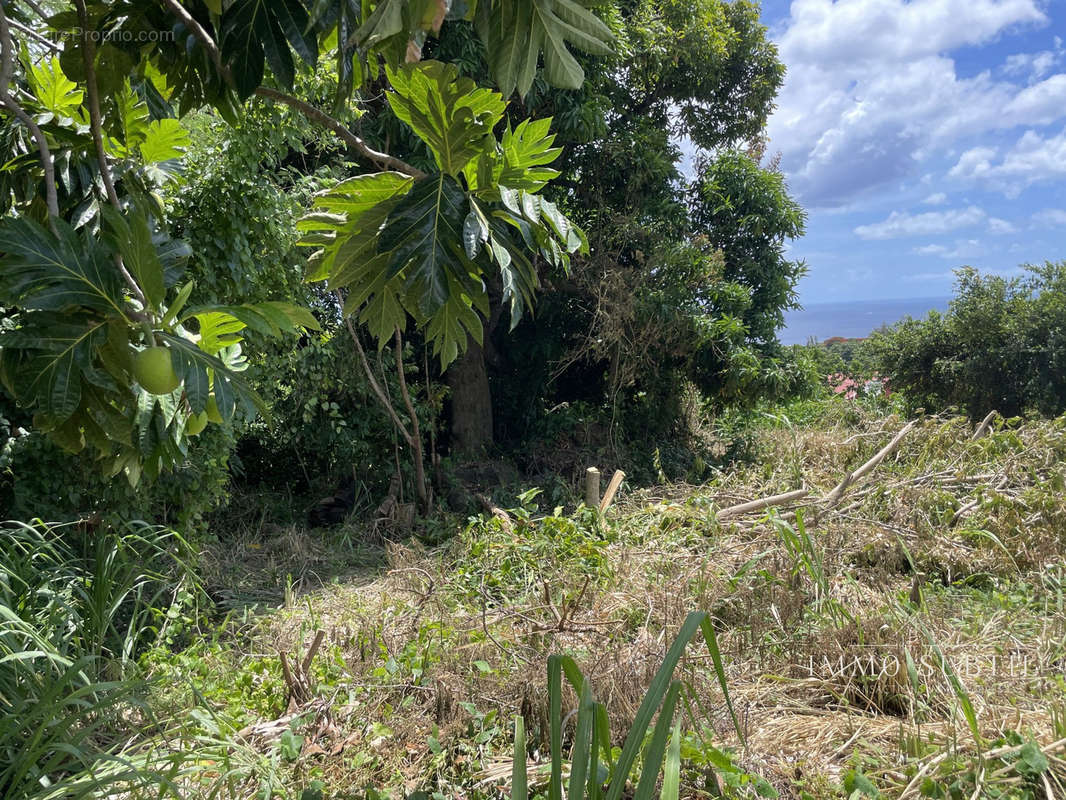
(924, 277)
(1032, 159)
(1035, 65)
(871, 92)
(964, 248)
(1000, 226)
(935, 199)
(1050, 218)
(901, 223)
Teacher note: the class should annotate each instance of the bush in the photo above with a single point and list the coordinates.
(1001, 346)
(39, 480)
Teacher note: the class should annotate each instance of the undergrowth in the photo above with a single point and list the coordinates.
(903, 639)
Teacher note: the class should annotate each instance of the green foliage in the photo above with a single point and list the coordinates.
(75, 609)
(502, 562)
(515, 34)
(592, 739)
(745, 212)
(999, 346)
(424, 246)
(325, 423)
(40, 479)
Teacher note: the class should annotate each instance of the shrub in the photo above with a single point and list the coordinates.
(1001, 346)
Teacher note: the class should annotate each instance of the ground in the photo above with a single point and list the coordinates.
(903, 636)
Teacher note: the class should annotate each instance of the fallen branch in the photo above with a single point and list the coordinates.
(765, 502)
(834, 496)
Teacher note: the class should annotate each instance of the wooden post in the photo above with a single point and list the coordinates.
(612, 489)
(592, 487)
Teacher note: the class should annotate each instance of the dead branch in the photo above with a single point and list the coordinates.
(834, 496)
(765, 502)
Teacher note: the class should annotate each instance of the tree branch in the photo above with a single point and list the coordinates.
(9, 102)
(374, 385)
(416, 433)
(356, 143)
(383, 160)
(88, 51)
(34, 35)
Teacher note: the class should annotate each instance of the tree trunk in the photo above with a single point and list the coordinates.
(471, 429)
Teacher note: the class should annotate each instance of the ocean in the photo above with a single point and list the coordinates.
(855, 319)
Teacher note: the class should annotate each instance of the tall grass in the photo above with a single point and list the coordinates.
(75, 608)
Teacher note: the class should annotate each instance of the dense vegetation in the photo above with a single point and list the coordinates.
(298, 298)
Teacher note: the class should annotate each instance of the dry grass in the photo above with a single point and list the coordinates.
(419, 650)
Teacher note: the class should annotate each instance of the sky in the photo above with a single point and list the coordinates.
(921, 136)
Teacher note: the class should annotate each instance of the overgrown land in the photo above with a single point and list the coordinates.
(313, 317)
(898, 634)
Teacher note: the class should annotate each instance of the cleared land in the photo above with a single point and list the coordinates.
(905, 630)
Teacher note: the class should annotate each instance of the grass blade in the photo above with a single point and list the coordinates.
(519, 786)
(653, 755)
(672, 769)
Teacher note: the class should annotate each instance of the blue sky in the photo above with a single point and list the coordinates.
(921, 136)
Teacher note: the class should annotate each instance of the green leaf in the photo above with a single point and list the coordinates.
(858, 785)
(163, 140)
(450, 114)
(672, 769)
(256, 29)
(424, 240)
(132, 122)
(515, 32)
(525, 151)
(653, 753)
(217, 330)
(49, 272)
(53, 90)
(383, 23)
(1031, 760)
(519, 787)
(51, 356)
(131, 236)
(228, 385)
(584, 744)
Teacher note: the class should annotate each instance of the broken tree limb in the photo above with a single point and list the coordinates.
(983, 427)
(494, 510)
(765, 502)
(834, 496)
(612, 489)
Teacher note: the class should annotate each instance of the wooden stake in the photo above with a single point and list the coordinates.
(612, 489)
(592, 487)
(986, 423)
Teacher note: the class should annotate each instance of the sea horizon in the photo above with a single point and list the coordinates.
(853, 319)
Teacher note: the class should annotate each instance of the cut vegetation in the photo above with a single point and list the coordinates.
(908, 643)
